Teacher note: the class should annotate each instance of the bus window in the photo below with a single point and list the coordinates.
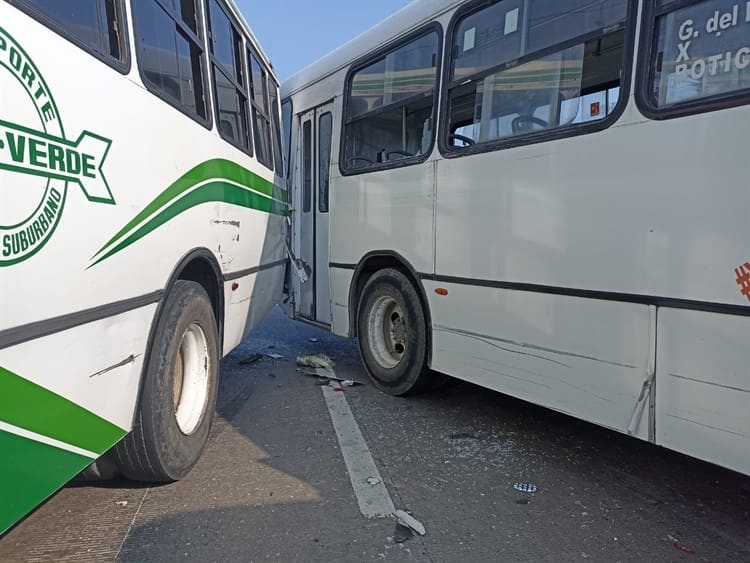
(286, 122)
(700, 52)
(229, 89)
(170, 56)
(278, 157)
(261, 122)
(94, 24)
(390, 106)
(508, 79)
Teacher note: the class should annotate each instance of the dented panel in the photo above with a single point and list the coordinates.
(703, 386)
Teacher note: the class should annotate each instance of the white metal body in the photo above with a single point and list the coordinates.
(57, 327)
(636, 217)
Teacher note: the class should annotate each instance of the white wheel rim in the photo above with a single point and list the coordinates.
(190, 380)
(387, 332)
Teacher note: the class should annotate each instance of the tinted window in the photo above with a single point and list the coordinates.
(170, 57)
(307, 166)
(230, 92)
(701, 51)
(286, 121)
(274, 109)
(390, 105)
(511, 80)
(261, 118)
(325, 128)
(511, 29)
(407, 71)
(94, 23)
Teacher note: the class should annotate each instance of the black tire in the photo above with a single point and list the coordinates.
(157, 450)
(389, 296)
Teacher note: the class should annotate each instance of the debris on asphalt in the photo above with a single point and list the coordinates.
(316, 361)
(350, 383)
(314, 339)
(274, 356)
(251, 359)
(526, 487)
(122, 503)
(408, 521)
(373, 481)
(682, 548)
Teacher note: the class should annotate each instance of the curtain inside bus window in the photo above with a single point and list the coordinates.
(702, 51)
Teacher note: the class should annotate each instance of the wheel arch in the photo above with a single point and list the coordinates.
(371, 263)
(198, 265)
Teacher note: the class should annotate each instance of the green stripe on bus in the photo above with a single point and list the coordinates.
(29, 406)
(29, 473)
(216, 169)
(218, 191)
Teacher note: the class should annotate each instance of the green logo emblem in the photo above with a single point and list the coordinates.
(37, 160)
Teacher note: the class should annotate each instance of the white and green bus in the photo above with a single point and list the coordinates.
(142, 231)
(547, 198)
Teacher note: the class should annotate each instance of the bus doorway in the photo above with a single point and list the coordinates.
(311, 225)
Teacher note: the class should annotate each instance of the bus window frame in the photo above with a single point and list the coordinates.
(205, 71)
(544, 135)
(252, 106)
(362, 62)
(213, 62)
(123, 65)
(645, 74)
(287, 150)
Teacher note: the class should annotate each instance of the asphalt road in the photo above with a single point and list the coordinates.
(273, 484)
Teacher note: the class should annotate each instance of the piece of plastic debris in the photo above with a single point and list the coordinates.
(122, 503)
(526, 487)
(373, 481)
(316, 361)
(350, 383)
(408, 521)
(274, 356)
(314, 339)
(251, 359)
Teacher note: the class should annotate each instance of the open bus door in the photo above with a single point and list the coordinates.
(309, 180)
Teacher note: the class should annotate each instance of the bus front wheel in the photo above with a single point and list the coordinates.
(393, 334)
(178, 392)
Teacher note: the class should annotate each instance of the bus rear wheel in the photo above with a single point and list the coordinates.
(393, 334)
(178, 393)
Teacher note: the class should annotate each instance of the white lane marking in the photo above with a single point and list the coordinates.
(127, 532)
(374, 500)
(28, 434)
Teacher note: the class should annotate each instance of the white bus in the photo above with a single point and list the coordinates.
(547, 198)
(142, 231)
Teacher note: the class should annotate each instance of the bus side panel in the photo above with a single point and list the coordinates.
(340, 283)
(97, 365)
(582, 357)
(703, 386)
(391, 209)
